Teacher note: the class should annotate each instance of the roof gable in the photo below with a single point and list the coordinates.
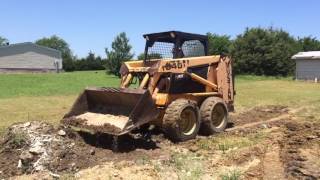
(20, 48)
(307, 55)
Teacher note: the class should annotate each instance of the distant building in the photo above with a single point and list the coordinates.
(29, 57)
(307, 65)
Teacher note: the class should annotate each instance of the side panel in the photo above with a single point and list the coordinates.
(29, 60)
(307, 69)
(225, 81)
(212, 76)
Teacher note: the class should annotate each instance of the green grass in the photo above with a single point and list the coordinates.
(225, 142)
(50, 84)
(232, 175)
(255, 91)
(25, 97)
(188, 166)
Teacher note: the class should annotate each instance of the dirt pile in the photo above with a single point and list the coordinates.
(27, 147)
(98, 122)
(38, 147)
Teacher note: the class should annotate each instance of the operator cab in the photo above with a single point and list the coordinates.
(174, 44)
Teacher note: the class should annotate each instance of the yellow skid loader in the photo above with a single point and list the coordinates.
(177, 87)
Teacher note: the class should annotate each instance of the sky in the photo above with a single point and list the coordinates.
(92, 25)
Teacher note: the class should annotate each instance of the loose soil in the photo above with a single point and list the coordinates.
(97, 119)
(257, 114)
(287, 149)
(85, 123)
(300, 150)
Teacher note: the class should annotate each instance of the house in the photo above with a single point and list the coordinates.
(307, 65)
(29, 57)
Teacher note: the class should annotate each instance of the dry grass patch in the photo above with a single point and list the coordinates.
(22, 109)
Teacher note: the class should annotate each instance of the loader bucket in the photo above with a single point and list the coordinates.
(111, 110)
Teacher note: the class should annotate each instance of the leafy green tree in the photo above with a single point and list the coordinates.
(58, 43)
(141, 56)
(3, 41)
(151, 56)
(91, 62)
(309, 44)
(218, 44)
(262, 51)
(120, 52)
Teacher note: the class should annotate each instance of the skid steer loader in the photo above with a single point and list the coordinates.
(177, 87)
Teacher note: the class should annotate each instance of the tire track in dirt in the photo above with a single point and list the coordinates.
(300, 150)
(286, 114)
(272, 165)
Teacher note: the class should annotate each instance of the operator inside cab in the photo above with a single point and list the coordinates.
(162, 86)
(177, 52)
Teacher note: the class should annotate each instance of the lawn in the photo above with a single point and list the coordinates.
(253, 91)
(25, 97)
(51, 84)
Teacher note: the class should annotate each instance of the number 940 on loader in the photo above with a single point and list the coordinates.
(177, 87)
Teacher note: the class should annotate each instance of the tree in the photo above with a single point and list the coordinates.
(91, 62)
(218, 44)
(151, 56)
(309, 44)
(141, 56)
(262, 51)
(58, 43)
(3, 41)
(120, 52)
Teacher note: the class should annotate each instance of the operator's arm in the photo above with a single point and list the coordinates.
(160, 86)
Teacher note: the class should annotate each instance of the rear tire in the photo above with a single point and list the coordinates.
(214, 116)
(181, 121)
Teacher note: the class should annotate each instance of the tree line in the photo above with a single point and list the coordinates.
(262, 51)
(257, 51)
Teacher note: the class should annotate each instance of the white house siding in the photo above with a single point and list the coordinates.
(308, 69)
(29, 60)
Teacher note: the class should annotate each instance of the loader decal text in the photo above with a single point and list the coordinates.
(179, 64)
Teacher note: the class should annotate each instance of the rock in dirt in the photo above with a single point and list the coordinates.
(311, 137)
(26, 157)
(61, 132)
(36, 150)
(264, 126)
(194, 148)
(92, 152)
(19, 164)
(54, 175)
(27, 124)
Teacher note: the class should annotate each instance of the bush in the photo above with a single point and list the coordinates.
(262, 51)
(218, 44)
(91, 62)
(309, 44)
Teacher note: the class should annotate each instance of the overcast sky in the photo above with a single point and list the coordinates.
(92, 25)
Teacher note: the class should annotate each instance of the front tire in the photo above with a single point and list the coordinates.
(214, 116)
(181, 121)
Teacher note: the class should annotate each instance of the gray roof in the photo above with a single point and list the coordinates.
(307, 55)
(20, 48)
